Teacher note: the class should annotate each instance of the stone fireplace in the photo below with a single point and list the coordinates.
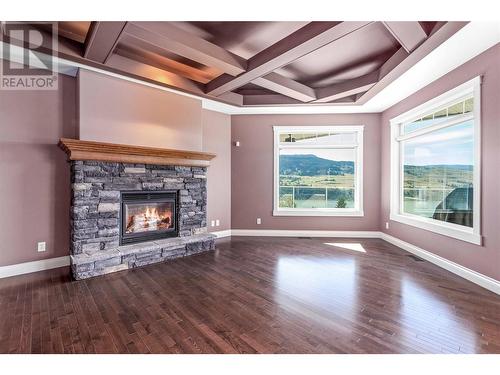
(125, 215)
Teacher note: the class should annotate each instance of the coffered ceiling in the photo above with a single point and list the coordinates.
(258, 63)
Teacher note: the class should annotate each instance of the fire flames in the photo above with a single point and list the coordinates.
(150, 219)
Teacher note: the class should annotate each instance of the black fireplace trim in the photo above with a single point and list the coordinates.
(142, 196)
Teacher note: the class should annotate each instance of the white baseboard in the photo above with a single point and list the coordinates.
(468, 274)
(29, 267)
(304, 233)
(222, 233)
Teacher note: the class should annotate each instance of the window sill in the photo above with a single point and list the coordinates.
(319, 212)
(443, 229)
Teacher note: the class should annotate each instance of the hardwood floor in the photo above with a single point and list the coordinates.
(256, 295)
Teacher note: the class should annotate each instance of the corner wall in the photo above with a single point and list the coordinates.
(252, 173)
(217, 139)
(483, 259)
(35, 178)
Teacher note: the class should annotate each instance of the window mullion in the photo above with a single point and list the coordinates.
(327, 147)
(432, 128)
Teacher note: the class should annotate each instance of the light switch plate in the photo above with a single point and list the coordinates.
(41, 247)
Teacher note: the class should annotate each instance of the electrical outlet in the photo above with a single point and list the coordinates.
(217, 222)
(212, 223)
(41, 247)
(386, 225)
(259, 221)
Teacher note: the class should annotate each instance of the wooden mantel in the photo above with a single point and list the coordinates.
(117, 153)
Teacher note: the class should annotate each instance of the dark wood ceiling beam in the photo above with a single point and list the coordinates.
(267, 99)
(164, 78)
(302, 42)
(171, 38)
(278, 99)
(393, 62)
(286, 86)
(161, 62)
(409, 34)
(102, 39)
(151, 72)
(348, 88)
(232, 97)
(400, 63)
(204, 52)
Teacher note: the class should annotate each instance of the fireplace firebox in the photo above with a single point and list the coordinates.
(147, 216)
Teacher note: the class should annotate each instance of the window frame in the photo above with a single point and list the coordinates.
(357, 210)
(459, 232)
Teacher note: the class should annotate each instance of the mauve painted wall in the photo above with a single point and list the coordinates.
(252, 173)
(484, 259)
(217, 139)
(118, 111)
(35, 180)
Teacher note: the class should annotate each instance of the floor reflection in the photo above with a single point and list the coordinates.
(318, 283)
(446, 327)
(349, 296)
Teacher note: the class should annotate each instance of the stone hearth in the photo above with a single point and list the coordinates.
(95, 211)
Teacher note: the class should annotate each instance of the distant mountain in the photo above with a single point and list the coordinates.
(311, 165)
(420, 170)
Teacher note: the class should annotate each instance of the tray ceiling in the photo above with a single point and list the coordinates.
(258, 63)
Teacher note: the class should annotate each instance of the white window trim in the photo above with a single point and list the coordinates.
(472, 235)
(358, 209)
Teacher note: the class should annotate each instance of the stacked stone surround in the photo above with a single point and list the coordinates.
(95, 211)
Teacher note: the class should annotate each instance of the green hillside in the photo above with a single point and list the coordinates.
(311, 165)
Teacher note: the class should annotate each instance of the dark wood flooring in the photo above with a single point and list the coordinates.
(256, 295)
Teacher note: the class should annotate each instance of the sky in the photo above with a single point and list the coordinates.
(452, 145)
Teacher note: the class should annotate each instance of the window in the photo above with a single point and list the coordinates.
(318, 171)
(435, 164)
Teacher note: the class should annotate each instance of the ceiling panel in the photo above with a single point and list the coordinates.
(355, 55)
(244, 39)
